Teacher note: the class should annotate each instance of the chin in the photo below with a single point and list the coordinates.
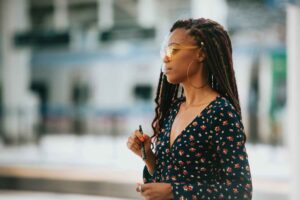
(172, 80)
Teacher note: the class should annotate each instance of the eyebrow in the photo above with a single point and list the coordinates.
(173, 43)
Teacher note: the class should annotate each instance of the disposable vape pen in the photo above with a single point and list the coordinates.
(143, 147)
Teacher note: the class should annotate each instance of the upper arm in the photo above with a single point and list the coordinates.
(229, 144)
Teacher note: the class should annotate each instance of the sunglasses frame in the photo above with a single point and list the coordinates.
(168, 51)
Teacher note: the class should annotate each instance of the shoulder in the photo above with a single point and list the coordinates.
(224, 113)
(226, 123)
(223, 106)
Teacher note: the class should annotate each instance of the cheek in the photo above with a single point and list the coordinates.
(180, 64)
(177, 75)
(182, 61)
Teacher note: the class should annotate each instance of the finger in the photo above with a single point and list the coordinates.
(138, 141)
(139, 135)
(146, 194)
(146, 137)
(136, 138)
(144, 189)
(138, 187)
(146, 186)
(129, 144)
(131, 140)
(134, 141)
(141, 190)
(135, 147)
(138, 146)
(132, 145)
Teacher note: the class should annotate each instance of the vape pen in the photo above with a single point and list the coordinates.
(143, 147)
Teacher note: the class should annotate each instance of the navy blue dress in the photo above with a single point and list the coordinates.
(208, 160)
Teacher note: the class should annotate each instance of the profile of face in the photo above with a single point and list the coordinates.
(180, 55)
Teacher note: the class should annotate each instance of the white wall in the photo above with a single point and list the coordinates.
(16, 72)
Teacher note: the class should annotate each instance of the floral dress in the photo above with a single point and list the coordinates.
(208, 159)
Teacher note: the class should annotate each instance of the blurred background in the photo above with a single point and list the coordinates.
(78, 76)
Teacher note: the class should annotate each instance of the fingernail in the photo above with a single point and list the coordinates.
(142, 139)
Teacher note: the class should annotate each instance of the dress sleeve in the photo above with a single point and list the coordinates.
(147, 177)
(228, 143)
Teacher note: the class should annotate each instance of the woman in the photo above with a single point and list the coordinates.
(198, 149)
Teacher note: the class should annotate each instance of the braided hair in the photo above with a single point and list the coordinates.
(218, 63)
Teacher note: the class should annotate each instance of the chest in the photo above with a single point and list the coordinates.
(191, 152)
(182, 121)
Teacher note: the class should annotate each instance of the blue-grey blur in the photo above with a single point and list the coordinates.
(77, 77)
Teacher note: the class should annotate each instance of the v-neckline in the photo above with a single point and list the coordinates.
(195, 118)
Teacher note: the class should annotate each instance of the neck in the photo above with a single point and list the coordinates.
(196, 97)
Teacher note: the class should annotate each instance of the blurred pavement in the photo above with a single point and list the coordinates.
(76, 162)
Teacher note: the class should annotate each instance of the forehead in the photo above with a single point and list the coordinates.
(180, 35)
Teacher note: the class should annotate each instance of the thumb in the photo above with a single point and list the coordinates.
(138, 187)
(146, 137)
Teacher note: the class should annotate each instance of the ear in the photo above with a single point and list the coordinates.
(201, 56)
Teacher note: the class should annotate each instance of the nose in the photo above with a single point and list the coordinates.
(166, 59)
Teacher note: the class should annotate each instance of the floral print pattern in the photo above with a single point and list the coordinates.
(208, 159)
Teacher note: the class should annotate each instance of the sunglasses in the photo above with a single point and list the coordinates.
(168, 52)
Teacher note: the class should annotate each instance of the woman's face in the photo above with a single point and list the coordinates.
(184, 54)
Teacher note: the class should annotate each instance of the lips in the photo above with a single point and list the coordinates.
(167, 69)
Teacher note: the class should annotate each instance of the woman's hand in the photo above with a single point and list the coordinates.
(134, 143)
(155, 191)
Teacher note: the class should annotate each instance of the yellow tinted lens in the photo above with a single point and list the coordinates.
(168, 51)
(171, 50)
(163, 52)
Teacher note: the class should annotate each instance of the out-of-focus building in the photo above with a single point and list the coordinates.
(92, 66)
(84, 65)
(85, 59)
(18, 110)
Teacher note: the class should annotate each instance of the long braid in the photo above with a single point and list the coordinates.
(219, 61)
(166, 93)
(218, 64)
